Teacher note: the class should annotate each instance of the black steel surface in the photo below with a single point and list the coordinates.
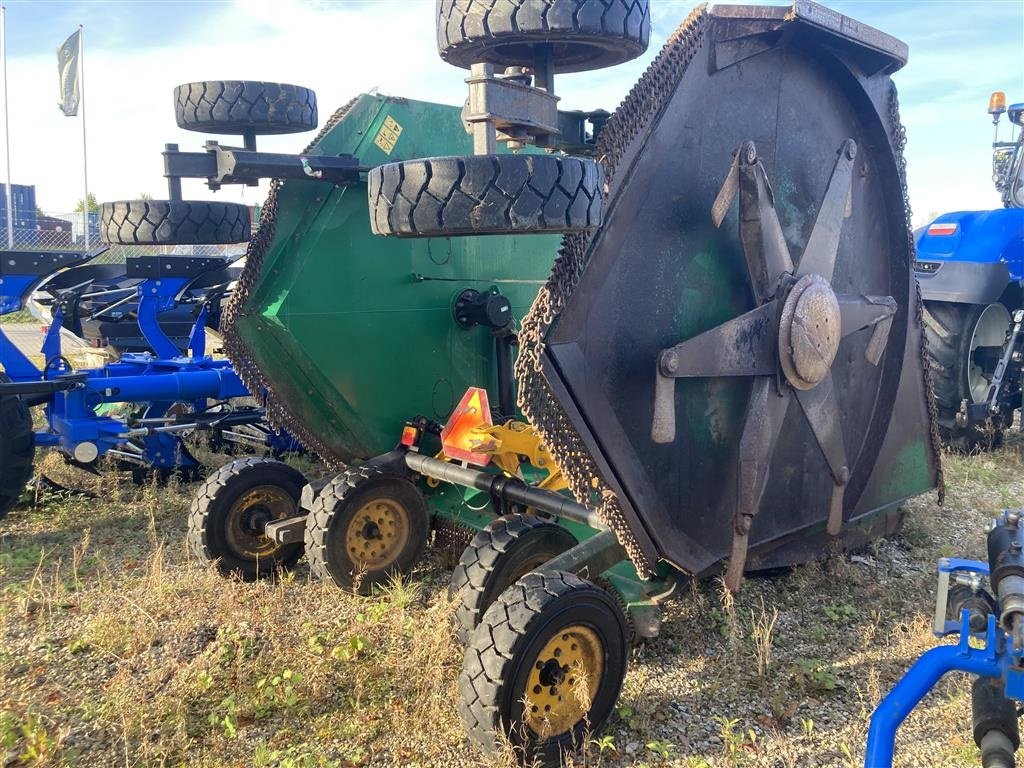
(659, 272)
(39, 264)
(171, 266)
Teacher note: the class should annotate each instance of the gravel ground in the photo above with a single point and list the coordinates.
(118, 649)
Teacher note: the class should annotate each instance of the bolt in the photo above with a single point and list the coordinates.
(750, 152)
(670, 362)
(851, 149)
(1012, 518)
(844, 475)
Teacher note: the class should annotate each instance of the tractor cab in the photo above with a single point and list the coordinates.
(1008, 156)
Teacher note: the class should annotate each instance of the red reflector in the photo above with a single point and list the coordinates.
(942, 229)
(409, 435)
(457, 439)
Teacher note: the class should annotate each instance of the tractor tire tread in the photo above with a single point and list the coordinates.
(490, 657)
(478, 562)
(319, 521)
(944, 325)
(233, 106)
(197, 537)
(467, 30)
(17, 452)
(485, 194)
(173, 222)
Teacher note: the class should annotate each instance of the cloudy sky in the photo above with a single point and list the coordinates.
(136, 52)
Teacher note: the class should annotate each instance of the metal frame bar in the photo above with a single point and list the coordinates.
(507, 488)
(230, 165)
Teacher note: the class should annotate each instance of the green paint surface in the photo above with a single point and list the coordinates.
(350, 339)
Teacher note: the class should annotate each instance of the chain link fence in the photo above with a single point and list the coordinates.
(66, 232)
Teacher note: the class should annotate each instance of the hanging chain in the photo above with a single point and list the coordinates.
(538, 403)
(899, 139)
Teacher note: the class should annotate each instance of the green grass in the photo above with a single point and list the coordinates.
(20, 317)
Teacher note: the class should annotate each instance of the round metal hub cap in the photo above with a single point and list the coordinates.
(809, 332)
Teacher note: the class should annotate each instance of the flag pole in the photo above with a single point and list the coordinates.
(7, 131)
(85, 161)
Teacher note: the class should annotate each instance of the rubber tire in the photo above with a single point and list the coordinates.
(214, 500)
(485, 195)
(17, 449)
(507, 641)
(332, 511)
(949, 327)
(173, 222)
(498, 556)
(237, 106)
(585, 34)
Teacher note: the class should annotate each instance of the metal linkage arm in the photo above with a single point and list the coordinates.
(229, 165)
(990, 661)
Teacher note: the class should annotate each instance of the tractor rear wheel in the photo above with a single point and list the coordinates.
(582, 34)
(955, 332)
(173, 222)
(229, 514)
(485, 195)
(365, 528)
(17, 448)
(499, 555)
(238, 106)
(544, 667)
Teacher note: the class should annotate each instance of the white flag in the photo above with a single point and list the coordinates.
(68, 65)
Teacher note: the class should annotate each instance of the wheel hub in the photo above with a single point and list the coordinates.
(377, 534)
(248, 518)
(563, 681)
(809, 332)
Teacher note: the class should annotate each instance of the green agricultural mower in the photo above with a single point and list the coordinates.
(718, 367)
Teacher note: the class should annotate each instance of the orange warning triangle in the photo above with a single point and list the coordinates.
(457, 437)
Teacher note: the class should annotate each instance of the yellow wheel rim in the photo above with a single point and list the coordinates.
(563, 681)
(378, 532)
(249, 516)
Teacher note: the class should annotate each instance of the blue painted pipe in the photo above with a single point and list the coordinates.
(920, 679)
(216, 383)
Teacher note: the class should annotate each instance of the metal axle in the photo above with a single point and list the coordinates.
(507, 488)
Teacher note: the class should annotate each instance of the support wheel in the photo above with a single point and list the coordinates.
(582, 34)
(544, 667)
(228, 516)
(173, 222)
(240, 106)
(365, 528)
(956, 332)
(17, 449)
(499, 555)
(485, 195)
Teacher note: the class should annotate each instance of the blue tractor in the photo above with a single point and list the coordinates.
(970, 265)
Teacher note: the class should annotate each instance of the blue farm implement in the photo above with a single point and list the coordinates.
(970, 265)
(166, 393)
(989, 619)
(98, 302)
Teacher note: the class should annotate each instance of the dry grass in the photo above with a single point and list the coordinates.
(117, 649)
